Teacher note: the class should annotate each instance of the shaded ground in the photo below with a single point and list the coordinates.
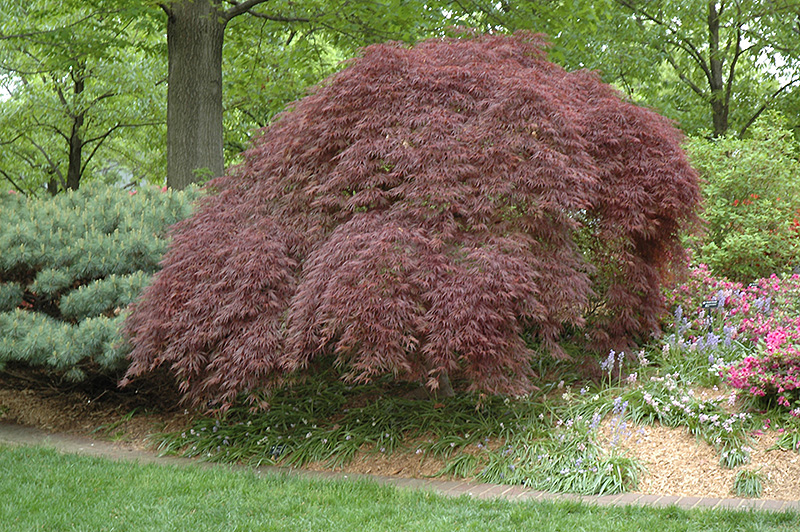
(677, 463)
(89, 409)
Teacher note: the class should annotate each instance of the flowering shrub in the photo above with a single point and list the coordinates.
(763, 317)
(752, 201)
(775, 372)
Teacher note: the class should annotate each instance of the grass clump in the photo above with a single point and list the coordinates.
(748, 483)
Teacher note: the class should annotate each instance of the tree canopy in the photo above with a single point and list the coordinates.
(81, 96)
(713, 72)
(420, 214)
(712, 66)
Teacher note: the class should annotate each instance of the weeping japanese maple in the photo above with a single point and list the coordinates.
(419, 214)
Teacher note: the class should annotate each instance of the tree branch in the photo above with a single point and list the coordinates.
(21, 72)
(78, 22)
(697, 90)
(53, 167)
(101, 138)
(732, 68)
(43, 125)
(12, 141)
(8, 177)
(695, 54)
(99, 99)
(239, 8)
(684, 44)
(60, 93)
(278, 18)
(764, 106)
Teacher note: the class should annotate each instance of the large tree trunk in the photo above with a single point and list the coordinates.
(195, 32)
(720, 103)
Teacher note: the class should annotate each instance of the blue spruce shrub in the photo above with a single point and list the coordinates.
(70, 265)
(10, 296)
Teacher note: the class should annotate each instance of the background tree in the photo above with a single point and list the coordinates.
(74, 81)
(709, 65)
(418, 215)
(724, 52)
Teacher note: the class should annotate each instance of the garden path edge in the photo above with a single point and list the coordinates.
(14, 434)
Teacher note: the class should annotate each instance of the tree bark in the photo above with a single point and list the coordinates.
(719, 103)
(75, 162)
(195, 33)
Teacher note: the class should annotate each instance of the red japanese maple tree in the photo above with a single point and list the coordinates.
(416, 215)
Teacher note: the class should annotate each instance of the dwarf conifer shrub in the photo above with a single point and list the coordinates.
(417, 215)
(70, 265)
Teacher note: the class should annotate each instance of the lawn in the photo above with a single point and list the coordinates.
(41, 489)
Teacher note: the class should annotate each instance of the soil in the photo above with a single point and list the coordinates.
(676, 462)
(93, 409)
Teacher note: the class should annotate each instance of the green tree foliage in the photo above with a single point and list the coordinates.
(721, 58)
(266, 67)
(70, 265)
(752, 195)
(709, 65)
(80, 96)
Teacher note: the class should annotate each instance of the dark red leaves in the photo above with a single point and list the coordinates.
(414, 216)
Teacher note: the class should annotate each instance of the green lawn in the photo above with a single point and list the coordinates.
(41, 489)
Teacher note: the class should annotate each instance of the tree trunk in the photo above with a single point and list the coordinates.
(195, 33)
(445, 388)
(719, 102)
(75, 154)
(75, 158)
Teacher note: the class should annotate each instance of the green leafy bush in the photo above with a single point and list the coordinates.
(752, 194)
(70, 264)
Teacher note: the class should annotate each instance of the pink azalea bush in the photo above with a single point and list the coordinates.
(764, 317)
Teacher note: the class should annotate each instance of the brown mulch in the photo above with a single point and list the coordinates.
(680, 464)
(89, 409)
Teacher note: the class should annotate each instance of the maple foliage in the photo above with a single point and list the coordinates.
(418, 214)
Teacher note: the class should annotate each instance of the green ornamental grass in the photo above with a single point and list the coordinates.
(748, 483)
